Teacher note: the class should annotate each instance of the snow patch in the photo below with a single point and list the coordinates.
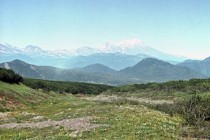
(33, 68)
(6, 65)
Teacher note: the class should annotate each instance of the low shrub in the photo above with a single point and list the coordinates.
(195, 111)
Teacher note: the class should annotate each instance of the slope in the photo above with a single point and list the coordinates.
(98, 68)
(154, 70)
(75, 75)
(115, 61)
(13, 96)
(63, 116)
(199, 66)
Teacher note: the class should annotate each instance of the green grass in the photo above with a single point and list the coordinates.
(135, 122)
(44, 133)
(124, 121)
(19, 96)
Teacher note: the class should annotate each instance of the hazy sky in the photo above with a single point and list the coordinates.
(175, 26)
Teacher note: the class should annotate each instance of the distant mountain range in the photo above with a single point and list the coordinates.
(154, 70)
(99, 68)
(147, 70)
(116, 56)
(201, 66)
(78, 75)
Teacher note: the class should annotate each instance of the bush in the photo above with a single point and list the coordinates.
(196, 110)
(191, 86)
(9, 76)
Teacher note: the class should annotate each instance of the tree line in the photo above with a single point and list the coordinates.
(10, 76)
(190, 86)
(66, 86)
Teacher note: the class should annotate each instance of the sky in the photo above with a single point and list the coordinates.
(180, 27)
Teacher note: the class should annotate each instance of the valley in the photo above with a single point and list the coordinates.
(40, 109)
(93, 119)
(104, 69)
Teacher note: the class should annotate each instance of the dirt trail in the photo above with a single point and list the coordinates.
(77, 124)
(113, 98)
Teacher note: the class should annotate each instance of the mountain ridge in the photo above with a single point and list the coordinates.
(147, 70)
(53, 73)
(152, 70)
(99, 68)
(131, 52)
(201, 66)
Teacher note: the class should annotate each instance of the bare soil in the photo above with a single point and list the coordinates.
(77, 124)
(3, 115)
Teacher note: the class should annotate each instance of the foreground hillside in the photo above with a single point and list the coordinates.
(188, 99)
(27, 113)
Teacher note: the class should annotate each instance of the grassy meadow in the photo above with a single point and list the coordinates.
(115, 113)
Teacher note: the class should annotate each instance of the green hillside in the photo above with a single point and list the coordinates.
(14, 96)
(188, 99)
(66, 110)
(40, 115)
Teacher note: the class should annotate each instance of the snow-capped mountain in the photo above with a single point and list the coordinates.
(9, 49)
(125, 47)
(62, 53)
(129, 47)
(135, 47)
(131, 51)
(85, 51)
(34, 50)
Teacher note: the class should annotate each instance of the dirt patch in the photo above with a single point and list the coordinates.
(1, 97)
(114, 98)
(77, 124)
(27, 114)
(38, 118)
(3, 115)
